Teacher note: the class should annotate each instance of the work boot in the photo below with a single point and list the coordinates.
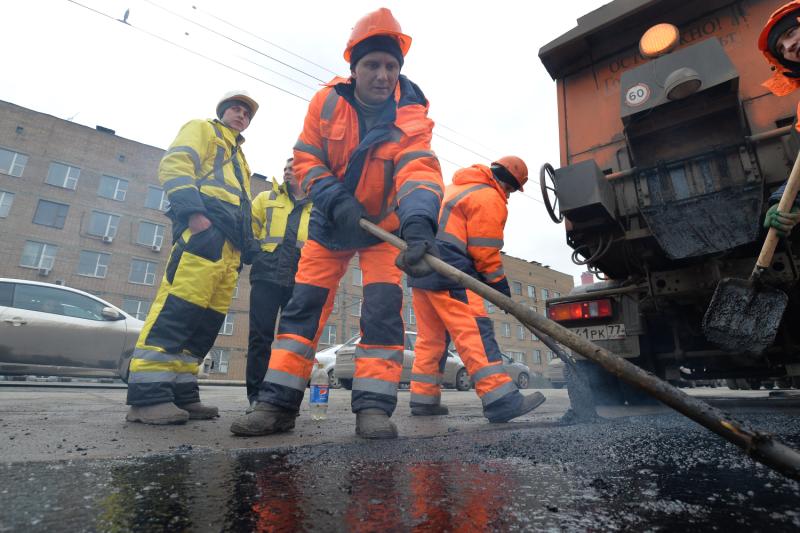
(375, 424)
(264, 419)
(198, 411)
(528, 404)
(429, 410)
(157, 414)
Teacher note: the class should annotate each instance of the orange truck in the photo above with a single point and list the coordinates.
(669, 149)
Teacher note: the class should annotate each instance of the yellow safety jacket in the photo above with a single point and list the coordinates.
(280, 226)
(205, 171)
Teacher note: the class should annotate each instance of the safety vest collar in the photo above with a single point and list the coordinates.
(229, 134)
(478, 174)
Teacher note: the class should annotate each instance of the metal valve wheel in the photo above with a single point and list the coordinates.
(548, 173)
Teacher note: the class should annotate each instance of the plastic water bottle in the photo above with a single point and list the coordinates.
(319, 393)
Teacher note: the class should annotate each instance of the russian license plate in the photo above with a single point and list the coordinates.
(601, 333)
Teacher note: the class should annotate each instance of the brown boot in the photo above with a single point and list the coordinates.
(157, 414)
(198, 411)
(264, 419)
(374, 424)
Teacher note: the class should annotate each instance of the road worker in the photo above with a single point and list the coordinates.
(470, 237)
(780, 43)
(280, 226)
(364, 152)
(207, 181)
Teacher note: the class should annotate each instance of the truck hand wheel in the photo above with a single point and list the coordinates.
(547, 173)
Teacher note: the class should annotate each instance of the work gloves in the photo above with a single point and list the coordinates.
(346, 213)
(783, 222)
(501, 286)
(420, 237)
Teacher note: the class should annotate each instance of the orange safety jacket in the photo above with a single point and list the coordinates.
(471, 225)
(390, 169)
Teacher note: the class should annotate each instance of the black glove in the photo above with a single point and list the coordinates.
(346, 213)
(251, 251)
(501, 286)
(421, 239)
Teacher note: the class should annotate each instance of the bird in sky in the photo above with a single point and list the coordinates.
(124, 18)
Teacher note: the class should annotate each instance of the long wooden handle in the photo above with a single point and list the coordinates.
(785, 205)
(759, 446)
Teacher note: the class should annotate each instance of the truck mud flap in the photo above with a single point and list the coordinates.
(706, 224)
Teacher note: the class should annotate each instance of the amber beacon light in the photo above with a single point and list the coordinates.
(659, 40)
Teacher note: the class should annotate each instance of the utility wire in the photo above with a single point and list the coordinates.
(191, 51)
(279, 74)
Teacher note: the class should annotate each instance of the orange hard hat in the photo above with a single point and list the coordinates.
(782, 18)
(380, 22)
(516, 167)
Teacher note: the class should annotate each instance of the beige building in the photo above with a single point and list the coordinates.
(83, 207)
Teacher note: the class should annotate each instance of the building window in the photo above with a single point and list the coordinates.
(62, 175)
(50, 214)
(354, 331)
(136, 308)
(517, 356)
(355, 306)
(550, 355)
(521, 333)
(227, 325)
(103, 224)
(545, 294)
(537, 357)
(516, 288)
(38, 255)
(336, 304)
(142, 272)
(113, 188)
(506, 329)
(534, 337)
(235, 288)
(357, 279)
(556, 294)
(219, 358)
(151, 234)
(489, 306)
(6, 199)
(328, 335)
(12, 163)
(531, 292)
(156, 199)
(93, 264)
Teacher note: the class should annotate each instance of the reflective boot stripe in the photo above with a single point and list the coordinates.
(389, 354)
(498, 393)
(488, 371)
(377, 386)
(427, 378)
(287, 380)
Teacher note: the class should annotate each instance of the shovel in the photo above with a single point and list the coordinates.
(744, 314)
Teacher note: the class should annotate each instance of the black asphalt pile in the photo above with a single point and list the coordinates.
(645, 473)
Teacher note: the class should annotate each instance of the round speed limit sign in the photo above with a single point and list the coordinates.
(637, 95)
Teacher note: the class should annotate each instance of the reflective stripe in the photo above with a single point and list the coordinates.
(294, 346)
(142, 365)
(154, 355)
(378, 386)
(485, 241)
(426, 399)
(379, 353)
(300, 244)
(330, 105)
(300, 146)
(315, 172)
(498, 393)
(236, 191)
(427, 378)
(192, 153)
(496, 273)
(488, 371)
(452, 239)
(271, 240)
(410, 186)
(411, 156)
(280, 377)
(448, 207)
(174, 183)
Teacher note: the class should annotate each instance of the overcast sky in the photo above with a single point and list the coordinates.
(476, 61)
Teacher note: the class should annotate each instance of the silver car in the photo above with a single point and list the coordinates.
(455, 373)
(48, 329)
(519, 372)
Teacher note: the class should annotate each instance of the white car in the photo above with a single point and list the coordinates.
(328, 359)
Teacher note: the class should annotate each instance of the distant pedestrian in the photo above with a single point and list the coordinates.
(207, 181)
(280, 226)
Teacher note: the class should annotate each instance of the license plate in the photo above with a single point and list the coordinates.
(601, 333)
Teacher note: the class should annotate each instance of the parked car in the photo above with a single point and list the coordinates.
(328, 359)
(555, 373)
(54, 330)
(455, 373)
(519, 372)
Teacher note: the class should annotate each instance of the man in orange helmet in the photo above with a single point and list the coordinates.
(780, 43)
(470, 237)
(364, 152)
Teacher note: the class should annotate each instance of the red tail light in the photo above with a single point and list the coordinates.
(580, 310)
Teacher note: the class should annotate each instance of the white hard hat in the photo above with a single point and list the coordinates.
(241, 96)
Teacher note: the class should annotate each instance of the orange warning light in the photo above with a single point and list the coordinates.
(659, 40)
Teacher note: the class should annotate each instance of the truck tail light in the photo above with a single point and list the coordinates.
(580, 310)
